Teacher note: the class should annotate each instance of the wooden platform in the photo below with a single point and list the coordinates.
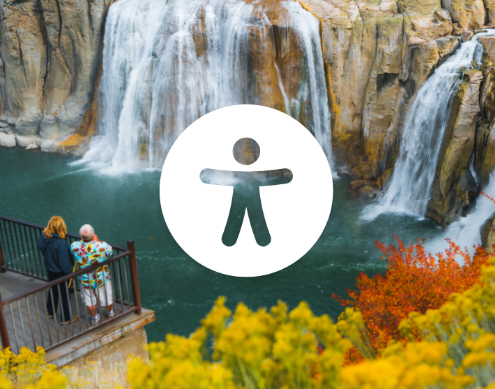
(27, 320)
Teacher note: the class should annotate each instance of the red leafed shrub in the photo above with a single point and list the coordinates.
(415, 281)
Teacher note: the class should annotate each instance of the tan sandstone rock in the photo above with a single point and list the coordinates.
(488, 43)
(377, 59)
(469, 14)
(50, 52)
(484, 157)
(366, 190)
(488, 234)
(454, 187)
(484, 153)
(383, 94)
(490, 11)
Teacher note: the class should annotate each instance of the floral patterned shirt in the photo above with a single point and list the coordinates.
(89, 253)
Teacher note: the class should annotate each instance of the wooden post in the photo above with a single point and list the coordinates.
(134, 276)
(4, 334)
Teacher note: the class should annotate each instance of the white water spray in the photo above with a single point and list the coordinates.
(466, 232)
(166, 63)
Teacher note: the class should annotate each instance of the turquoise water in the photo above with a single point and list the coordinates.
(34, 186)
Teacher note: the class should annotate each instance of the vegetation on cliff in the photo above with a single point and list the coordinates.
(432, 325)
(415, 282)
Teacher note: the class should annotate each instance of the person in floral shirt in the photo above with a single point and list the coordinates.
(97, 285)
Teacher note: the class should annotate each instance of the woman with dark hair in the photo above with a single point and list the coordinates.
(58, 263)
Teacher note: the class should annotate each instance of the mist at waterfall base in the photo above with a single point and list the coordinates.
(466, 232)
(180, 291)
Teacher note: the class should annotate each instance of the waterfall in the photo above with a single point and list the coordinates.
(424, 126)
(308, 29)
(466, 232)
(168, 62)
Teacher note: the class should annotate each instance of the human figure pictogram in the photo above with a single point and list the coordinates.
(246, 196)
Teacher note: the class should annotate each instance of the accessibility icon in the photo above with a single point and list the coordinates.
(246, 196)
(246, 190)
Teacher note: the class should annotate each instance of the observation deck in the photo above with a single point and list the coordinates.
(25, 290)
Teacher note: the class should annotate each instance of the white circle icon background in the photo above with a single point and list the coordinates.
(196, 213)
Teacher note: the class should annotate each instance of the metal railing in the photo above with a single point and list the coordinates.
(19, 247)
(26, 320)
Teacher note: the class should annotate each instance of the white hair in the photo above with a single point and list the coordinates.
(87, 232)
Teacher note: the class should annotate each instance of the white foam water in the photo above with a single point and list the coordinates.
(166, 63)
(466, 232)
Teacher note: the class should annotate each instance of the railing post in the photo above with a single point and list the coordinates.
(2, 259)
(4, 334)
(134, 276)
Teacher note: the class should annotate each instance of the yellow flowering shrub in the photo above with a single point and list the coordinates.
(417, 365)
(28, 370)
(466, 325)
(5, 383)
(24, 368)
(268, 349)
(11, 363)
(50, 380)
(249, 350)
(276, 349)
(352, 326)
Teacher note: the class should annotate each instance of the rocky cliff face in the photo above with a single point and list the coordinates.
(376, 54)
(488, 234)
(49, 61)
(469, 137)
(484, 153)
(379, 54)
(454, 186)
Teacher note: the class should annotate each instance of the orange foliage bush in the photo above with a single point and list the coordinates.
(415, 281)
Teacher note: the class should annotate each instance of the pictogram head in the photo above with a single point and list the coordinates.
(246, 151)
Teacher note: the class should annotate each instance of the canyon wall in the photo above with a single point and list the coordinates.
(50, 53)
(379, 54)
(376, 54)
(468, 145)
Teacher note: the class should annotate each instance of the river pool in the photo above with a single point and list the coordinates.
(34, 186)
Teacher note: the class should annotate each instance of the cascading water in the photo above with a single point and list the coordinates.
(466, 232)
(426, 120)
(166, 63)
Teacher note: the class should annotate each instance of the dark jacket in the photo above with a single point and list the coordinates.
(57, 254)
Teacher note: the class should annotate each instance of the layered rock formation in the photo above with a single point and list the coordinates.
(469, 145)
(49, 60)
(376, 55)
(488, 234)
(484, 154)
(376, 73)
(454, 186)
